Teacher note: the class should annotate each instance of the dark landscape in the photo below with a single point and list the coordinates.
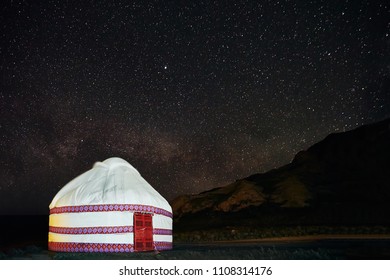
(25, 238)
(344, 180)
(330, 202)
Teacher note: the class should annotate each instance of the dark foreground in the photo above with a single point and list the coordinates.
(308, 250)
(26, 238)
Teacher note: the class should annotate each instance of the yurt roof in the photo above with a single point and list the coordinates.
(113, 181)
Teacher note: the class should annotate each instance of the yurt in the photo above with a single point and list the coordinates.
(109, 208)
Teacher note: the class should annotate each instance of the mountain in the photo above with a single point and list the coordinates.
(342, 180)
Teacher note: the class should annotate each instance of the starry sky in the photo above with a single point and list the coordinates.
(194, 94)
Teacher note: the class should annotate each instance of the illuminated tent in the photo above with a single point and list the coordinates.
(109, 208)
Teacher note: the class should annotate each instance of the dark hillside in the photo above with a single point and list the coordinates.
(342, 180)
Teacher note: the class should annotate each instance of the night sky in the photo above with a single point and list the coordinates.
(194, 94)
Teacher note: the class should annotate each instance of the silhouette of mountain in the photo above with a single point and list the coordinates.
(342, 180)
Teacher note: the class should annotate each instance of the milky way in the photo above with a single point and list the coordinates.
(194, 94)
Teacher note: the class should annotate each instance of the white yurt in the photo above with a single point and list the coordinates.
(109, 208)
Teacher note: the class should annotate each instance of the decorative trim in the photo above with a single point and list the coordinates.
(90, 247)
(111, 208)
(162, 231)
(91, 230)
(104, 230)
(158, 245)
(101, 247)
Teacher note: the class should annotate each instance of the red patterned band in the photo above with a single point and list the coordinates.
(101, 247)
(90, 247)
(110, 208)
(162, 231)
(161, 246)
(103, 230)
(91, 230)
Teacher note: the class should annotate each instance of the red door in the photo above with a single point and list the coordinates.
(143, 232)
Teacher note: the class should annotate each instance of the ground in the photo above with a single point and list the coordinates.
(292, 248)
